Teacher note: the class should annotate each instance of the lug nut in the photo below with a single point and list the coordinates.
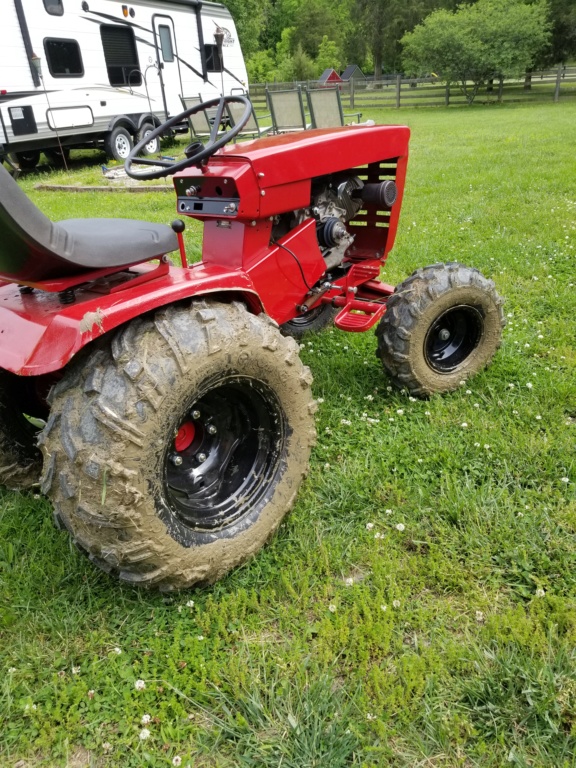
(211, 429)
(201, 457)
(196, 414)
(176, 460)
(444, 334)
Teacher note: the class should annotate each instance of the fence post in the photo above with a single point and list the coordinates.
(447, 95)
(500, 88)
(352, 94)
(398, 87)
(557, 89)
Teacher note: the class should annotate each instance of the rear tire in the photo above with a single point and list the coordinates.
(179, 447)
(20, 458)
(442, 325)
(118, 144)
(58, 157)
(311, 322)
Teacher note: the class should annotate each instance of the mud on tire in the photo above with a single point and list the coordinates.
(173, 453)
(442, 325)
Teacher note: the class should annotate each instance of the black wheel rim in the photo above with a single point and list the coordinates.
(301, 321)
(453, 336)
(230, 450)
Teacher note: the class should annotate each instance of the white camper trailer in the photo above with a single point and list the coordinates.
(101, 73)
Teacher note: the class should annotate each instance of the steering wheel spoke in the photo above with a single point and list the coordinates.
(216, 140)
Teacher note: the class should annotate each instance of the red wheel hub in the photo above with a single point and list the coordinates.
(185, 436)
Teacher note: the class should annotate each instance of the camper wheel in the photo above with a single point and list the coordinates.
(152, 147)
(118, 143)
(28, 160)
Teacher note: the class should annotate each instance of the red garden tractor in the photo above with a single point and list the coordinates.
(164, 409)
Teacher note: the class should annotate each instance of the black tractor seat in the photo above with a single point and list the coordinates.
(33, 248)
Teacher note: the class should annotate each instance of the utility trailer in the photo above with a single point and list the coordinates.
(103, 74)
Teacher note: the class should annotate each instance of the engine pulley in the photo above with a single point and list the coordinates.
(331, 232)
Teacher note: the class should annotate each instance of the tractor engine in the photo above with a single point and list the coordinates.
(335, 200)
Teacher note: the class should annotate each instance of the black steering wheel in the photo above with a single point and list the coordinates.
(195, 152)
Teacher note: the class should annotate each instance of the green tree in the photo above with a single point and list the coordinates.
(328, 56)
(478, 43)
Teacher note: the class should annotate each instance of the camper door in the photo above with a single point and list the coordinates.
(171, 82)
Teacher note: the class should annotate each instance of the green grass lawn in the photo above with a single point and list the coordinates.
(418, 606)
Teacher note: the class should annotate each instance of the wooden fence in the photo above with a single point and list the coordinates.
(397, 91)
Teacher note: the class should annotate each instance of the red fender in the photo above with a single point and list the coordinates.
(40, 335)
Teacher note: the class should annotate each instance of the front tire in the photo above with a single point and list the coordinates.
(442, 325)
(179, 447)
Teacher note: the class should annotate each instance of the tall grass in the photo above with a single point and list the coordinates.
(350, 640)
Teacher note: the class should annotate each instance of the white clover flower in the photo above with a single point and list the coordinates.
(107, 747)
(390, 419)
(388, 388)
(117, 651)
(420, 461)
(388, 511)
(349, 581)
(529, 385)
(346, 422)
(538, 418)
(369, 526)
(327, 466)
(427, 413)
(476, 405)
(400, 526)
(11, 670)
(377, 535)
(400, 411)
(510, 386)
(139, 685)
(190, 604)
(200, 637)
(564, 479)
(176, 760)
(91, 693)
(383, 607)
(476, 445)
(369, 397)
(396, 603)
(486, 447)
(520, 514)
(370, 716)
(479, 616)
(540, 592)
(145, 719)
(468, 391)
(75, 670)
(412, 399)
(320, 400)
(462, 382)
(464, 424)
(332, 608)
(144, 734)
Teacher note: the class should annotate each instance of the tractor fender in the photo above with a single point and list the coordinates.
(39, 334)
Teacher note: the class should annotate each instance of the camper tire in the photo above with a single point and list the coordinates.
(118, 143)
(179, 446)
(152, 147)
(28, 160)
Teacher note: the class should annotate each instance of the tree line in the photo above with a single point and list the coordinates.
(285, 40)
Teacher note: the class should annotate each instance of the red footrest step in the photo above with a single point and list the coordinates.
(359, 316)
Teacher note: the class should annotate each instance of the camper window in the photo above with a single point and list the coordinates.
(54, 7)
(120, 55)
(166, 43)
(63, 57)
(212, 58)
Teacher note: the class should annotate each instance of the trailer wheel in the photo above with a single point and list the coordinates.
(58, 157)
(118, 143)
(20, 458)
(180, 446)
(152, 147)
(28, 160)
(311, 322)
(442, 325)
